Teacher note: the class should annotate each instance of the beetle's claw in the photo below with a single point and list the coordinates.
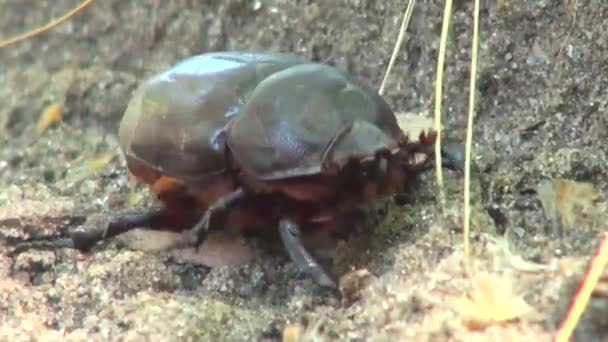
(304, 261)
(195, 236)
(322, 278)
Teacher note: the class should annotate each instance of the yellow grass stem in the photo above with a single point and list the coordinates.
(52, 24)
(438, 97)
(469, 137)
(404, 24)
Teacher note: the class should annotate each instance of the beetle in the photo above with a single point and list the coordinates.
(260, 140)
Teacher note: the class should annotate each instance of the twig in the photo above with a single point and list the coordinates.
(52, 24)
(404, 24)
(598, 264)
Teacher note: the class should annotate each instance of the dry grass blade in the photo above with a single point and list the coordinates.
(469, 139)
(501, 246)
(52, 24)
(404, 24)
(438, 97)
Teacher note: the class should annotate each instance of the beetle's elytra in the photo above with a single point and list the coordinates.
(260, 140)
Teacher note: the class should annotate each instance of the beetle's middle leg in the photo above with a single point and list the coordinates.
(198, 233)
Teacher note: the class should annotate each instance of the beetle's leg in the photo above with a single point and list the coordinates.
(198, 233)
(290, 234)
(87, 236)
(85, 239)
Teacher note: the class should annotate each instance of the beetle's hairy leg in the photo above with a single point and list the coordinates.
(17, 245)
(306, 263)
(198, 233)
(85, 239)
(96, 230)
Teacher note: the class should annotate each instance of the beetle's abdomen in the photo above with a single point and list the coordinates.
(175, 120)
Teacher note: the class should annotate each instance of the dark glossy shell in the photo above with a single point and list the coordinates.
(290, 121)
(173, 121)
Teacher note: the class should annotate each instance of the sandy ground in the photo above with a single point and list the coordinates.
(541, 116)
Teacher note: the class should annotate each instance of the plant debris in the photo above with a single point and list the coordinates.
(567, 203)
(51, 115)
(492, 301)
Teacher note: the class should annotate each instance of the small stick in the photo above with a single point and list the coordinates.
(52, 24)
(404, 24)
(598, 264)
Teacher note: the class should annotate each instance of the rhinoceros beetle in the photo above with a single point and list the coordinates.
(260, 140)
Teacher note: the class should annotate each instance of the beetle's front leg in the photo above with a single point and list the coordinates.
(451, 153)
(198, 233)
(305, 262)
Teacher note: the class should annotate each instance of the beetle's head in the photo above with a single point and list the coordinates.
(394, 169)
(389, 171)
(417, 156)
